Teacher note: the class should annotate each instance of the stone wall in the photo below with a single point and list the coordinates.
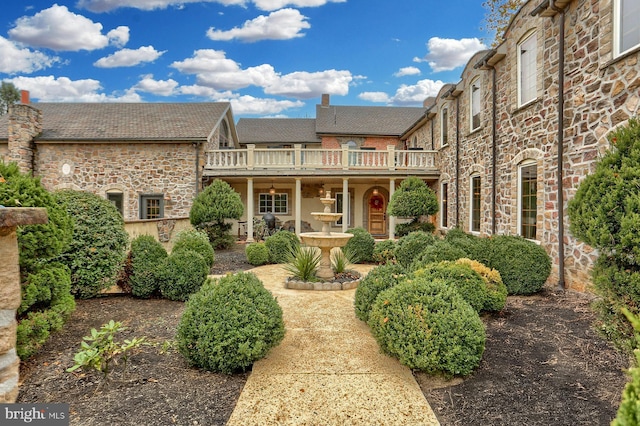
(25, 122)
(131, 168)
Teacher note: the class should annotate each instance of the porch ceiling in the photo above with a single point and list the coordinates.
(317, 177)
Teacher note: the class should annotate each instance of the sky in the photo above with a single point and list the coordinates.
(269, 58)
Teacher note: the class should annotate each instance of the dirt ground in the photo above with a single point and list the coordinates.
(543, 365)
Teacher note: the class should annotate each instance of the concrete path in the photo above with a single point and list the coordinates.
(328, 370)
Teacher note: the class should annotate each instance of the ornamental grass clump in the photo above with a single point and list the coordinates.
(257, 254)
(377, 280)
(428, 326)
(360, 246)
(197, 241)
(147, 255)
(229, 324)
(303, 263)
(182, 274)
(408, 247)
(280, 246)
(496, 290)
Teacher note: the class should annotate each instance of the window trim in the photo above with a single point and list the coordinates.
(444, 205)
(617, 31)
(524, 164)
(475, 83)
(530, 36)
(114, 202)
(143, 205)
(286, 194)
(444, 126)
(472, 199)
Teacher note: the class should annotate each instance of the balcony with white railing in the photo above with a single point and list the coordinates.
(316, 159)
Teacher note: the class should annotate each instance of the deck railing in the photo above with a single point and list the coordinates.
(297, 158)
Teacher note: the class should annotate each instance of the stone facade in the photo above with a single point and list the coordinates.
(601, 92)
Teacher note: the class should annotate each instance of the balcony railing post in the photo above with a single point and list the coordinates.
(251, 159)
(391, 149)
(297, 158)
(345, 156)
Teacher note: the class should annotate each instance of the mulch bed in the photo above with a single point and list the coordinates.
(543, 365)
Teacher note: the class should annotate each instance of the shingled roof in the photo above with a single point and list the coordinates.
(126, 121)
(277, 130)
(365, 120)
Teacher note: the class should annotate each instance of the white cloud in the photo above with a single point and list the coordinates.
(446, 54)
(283, 24)
(250, 105)
(59, 29)
(306, 85)
(377, 97)
(406, 95)
(119, 36)
(129, 57)
(63, 89)
(16, 60)
(279, 4)
(108, 5)
(157, 87)
(407, 71)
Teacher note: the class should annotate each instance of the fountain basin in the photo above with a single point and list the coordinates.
(326, 217)
(320, 239)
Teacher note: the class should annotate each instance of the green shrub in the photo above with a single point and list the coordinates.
(476, 248)
(212, 207)
(413, 198)
(437, 252)
(428, 326)
(229, 324)
(360, 246)
(257, 254)
(403, 229)
(303, 263)
(197, 241)
(410, 246)
(147, 256)
(523, 265)
(47, 304)
(182, 274)
(99, 243)
(377, 280)
(466, 281)
(496, 290)
(384, 252)
(629, 409)
(281, 245)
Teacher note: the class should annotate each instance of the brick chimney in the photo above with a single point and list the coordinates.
(25, 123)
(325, 100)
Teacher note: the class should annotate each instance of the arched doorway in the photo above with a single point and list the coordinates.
(377, 213)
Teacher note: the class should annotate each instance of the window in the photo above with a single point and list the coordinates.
(527, 69)
(627, 25)
(273, 203)
(444, 208)
(340, 208)
(528, 200)
(475, 104)
(152, 206)
(224, 136)
(475, 203)
(116, 199)
(444, 127)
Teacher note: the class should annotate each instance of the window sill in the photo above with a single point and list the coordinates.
(525, 106)
(443, 147)
(621, 57)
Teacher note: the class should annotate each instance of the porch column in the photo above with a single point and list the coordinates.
(250, 210)
(392, 219)
(298, 223)
(345, 204)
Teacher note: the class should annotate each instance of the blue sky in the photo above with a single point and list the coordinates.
(269, 58)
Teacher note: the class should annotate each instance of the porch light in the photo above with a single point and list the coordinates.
(272, 190)
(375, 190)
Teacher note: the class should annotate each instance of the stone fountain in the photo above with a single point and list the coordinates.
(325, 240)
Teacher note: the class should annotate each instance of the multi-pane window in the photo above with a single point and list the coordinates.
(116, 199)
(225, 138)
(152, 206)
(444, 127)
(475, 104)
(528, 200)
(627, 25)
(475, 203)
(340, 208)
(273, 203)
(444, 208)
(527, 69)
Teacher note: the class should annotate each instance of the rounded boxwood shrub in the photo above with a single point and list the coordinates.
(360, 247)
(147, 256)
(496, 290)
(378, 279)
(468, 282)
(99, 243)
(229, 324)
(476, 248)
(523, 265)
(437, 252)
(428, 326)
(197, 241)
(403, 229)
(257, 254)
(384, 252)
(281, 245)
(182, 274)
(410, 246)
